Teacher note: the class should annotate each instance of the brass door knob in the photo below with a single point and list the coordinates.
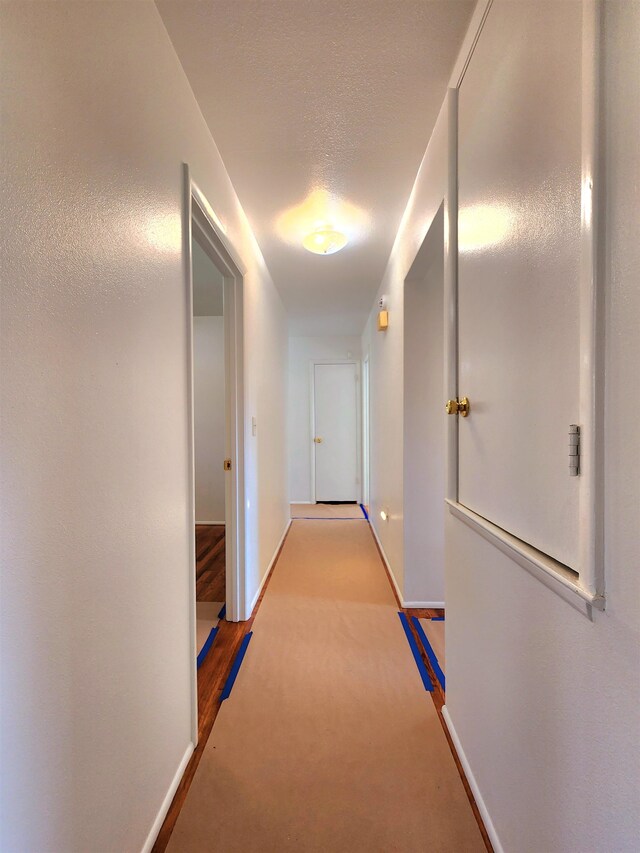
(458, 407)
(318, 440)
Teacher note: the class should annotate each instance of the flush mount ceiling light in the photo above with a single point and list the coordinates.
(324, 241)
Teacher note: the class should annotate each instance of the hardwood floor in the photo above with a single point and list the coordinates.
(210, 562)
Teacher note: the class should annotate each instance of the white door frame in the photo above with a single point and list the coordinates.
(312, 422)
(589, 590)
(366, 429)
(199, 214)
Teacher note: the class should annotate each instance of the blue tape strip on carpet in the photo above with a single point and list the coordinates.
(433, 660)
(422, 669)
(204, 651)
(223, 612)
(364, 512)
(235, 669)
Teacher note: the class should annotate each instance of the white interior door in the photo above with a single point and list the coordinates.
(519, 270)
(335, 408)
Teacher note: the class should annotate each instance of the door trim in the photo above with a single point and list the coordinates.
(312, 422)
(590, 568)
(197, 209)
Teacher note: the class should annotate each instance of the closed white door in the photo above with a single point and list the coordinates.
(335, 400)
(519, 267)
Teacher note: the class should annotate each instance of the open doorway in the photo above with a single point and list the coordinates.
(209, 435)
(216, 418)
(424, 480)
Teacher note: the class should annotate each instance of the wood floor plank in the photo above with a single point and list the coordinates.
(210, 562)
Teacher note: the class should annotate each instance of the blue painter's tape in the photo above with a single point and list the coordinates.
(364, 512)
(422, 669)
(223, 612)
(437, 618)
(204, 651)
(433, 660)
(235, 669)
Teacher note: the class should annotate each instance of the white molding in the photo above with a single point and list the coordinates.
(550, 572)
(387, 564)
(591, 511)
(311, 503)
(469, 42)
(431, 605)
(219, 523)
(166, 803)
(223, 255)
(269, 567)
(471, 779)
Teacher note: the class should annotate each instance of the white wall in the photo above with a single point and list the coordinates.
(545, 702)
(386, 355)
(209, 418)
(302, 352)
(96, 650)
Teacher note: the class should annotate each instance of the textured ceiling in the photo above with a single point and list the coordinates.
(337, 97)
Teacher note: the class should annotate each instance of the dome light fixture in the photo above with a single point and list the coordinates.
(324, 241)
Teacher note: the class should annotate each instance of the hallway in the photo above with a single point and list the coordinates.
(328, 740)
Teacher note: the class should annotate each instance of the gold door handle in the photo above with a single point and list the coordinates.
(227, 465)
(318, 440)
(458, 407)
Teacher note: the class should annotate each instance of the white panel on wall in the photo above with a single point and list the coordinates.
(519, 240)
(209, 418)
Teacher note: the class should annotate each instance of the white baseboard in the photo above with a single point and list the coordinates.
(431, 605)
(387, 563)
(164, 808)
(471, 779)
(301, 502)
(269, 567)
(212, 522)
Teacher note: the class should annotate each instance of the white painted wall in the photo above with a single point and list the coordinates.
(302, 352)
(546, 703)
(424, 422)
(209, 420)
(96, 649)
(386, 354)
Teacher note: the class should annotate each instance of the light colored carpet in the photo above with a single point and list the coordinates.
(206, 619)
(329, 741)
(336, 511)
(435, 635)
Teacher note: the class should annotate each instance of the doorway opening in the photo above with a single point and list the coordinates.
(216, 418)
(424, 476)
(210, 440)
